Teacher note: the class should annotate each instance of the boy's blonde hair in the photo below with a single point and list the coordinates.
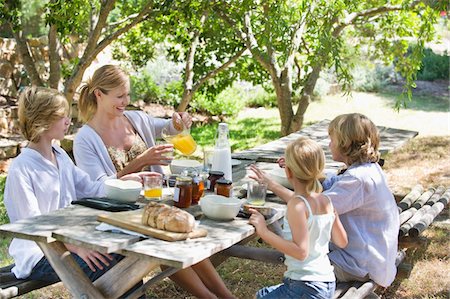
(306, 159)
(39, 107)
(357, 137)
(105, 78)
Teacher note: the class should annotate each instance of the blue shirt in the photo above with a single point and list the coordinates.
(369, 214)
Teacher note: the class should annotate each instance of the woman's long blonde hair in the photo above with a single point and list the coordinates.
(357, 137)
(306, 159)
(105, 79)
(39, 107)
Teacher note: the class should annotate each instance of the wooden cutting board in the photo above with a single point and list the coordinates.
(131, 220)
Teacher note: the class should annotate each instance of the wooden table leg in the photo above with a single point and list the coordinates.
(124, 276)
(69, 271)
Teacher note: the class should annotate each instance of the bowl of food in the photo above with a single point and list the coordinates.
(218, 207)
(126, 191)
(177, 166)
(279, 176)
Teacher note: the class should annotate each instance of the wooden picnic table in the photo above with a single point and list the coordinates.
(390, 139)
(77, 225)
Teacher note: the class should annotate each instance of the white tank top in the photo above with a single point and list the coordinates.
(316, 266)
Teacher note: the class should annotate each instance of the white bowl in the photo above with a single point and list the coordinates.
(177, 166)
(218, 207)
(127, 191)
(279, 176)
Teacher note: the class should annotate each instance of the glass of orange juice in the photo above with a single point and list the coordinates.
(182, 140)
(153, 184)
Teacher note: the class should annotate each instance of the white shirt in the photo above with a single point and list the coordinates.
(369, 214)
(35, 186)
(92, 156)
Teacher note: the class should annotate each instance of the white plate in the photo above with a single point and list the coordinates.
(235, 162)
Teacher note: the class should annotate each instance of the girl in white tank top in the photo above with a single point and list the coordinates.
(309, 225)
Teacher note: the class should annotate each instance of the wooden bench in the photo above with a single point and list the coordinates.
(417, 211)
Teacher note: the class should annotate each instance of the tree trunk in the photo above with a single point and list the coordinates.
(55, 66)
(22, 47)
(283, 92)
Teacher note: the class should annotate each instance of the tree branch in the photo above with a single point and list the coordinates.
(214, 72)
(353, 17)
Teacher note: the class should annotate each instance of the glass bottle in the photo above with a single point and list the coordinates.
(222, 152)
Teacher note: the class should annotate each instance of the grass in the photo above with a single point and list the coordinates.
(424, 160)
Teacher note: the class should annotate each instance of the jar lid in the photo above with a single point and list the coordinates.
(224, 181)
(218, 173)
(184, 179)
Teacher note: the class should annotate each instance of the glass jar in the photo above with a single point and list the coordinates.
(183, 192)
(198, 187)
(213, 177)
(224, 187)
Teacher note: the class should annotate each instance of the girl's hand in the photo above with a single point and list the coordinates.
(258, 221)
(259, 175)
(180, 120)
(90, 257)
(158, 155)
(281, 162)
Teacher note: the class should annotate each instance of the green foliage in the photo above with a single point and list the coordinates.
(227, 103)
(143, 87)
(434, 66)
(371, 77)
(3, 215)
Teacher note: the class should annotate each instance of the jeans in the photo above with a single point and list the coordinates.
(298, 289)
(43, 271)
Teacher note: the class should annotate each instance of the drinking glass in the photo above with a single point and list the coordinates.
(256, 193)
(182, 141)
(207, 159)
(153, 184)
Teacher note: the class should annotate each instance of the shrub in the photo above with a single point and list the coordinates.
(3, 215)
(434, 66)
(372, 77)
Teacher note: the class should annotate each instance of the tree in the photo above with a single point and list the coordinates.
(94, 24)
(196, 37)
(293, 41)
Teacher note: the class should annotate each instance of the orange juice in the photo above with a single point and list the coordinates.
(153, 193)
(184, 143)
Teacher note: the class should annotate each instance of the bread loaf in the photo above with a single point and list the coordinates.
(164, 217)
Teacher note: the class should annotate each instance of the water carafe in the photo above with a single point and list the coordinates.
(222, 152)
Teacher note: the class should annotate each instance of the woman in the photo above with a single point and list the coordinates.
(115, 142)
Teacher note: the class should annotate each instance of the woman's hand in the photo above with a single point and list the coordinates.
(257, 220)
(180, 120)
(92, 258)
(158, 155)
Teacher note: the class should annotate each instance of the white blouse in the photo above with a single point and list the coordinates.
(35, 186)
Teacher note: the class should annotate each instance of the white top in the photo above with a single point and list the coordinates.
(34, 186)
(316, 266)
(92, 156)
(369, 214)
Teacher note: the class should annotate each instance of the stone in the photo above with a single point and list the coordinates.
(8, 148)
(67, 143)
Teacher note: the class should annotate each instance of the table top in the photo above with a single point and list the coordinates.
(390, 139)
(76, 225)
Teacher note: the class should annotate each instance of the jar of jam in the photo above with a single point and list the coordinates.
(213, 177)
(198, 187)
(183, 192)
(224, 187)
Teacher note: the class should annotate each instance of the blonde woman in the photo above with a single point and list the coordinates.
(115, 142)
(310, 223)
(43, 178)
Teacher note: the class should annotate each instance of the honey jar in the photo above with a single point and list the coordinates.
(224, 187)
(182, 196)
(198, 187)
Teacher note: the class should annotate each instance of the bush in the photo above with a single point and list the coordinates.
(3, 215)
(434, 66)
(144, 88)
(372, 78)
